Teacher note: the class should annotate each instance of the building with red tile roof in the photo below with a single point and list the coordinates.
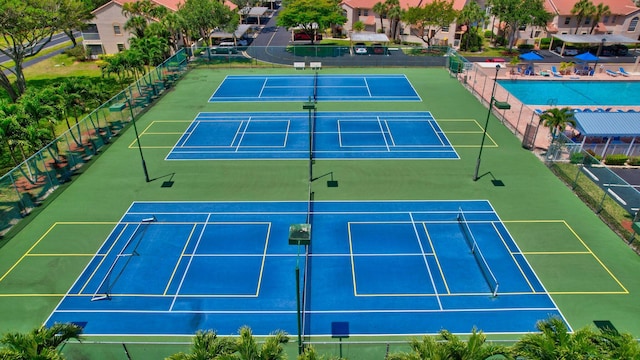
(106, 33)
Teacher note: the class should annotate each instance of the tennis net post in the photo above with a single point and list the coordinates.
(477, 253)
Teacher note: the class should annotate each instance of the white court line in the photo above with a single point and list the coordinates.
(264, 85)
(426, 262)
(393, 141)
(367, 86)
(386, 144)
(242, 136)
(197, 123)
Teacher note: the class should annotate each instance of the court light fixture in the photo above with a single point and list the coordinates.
(502, 105)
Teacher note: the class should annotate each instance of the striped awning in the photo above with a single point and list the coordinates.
(608, 123)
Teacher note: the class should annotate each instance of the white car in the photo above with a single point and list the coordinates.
(568, 51)
(360, 49)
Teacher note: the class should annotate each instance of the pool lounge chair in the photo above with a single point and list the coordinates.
(612, 73)
(555, 72)
(622, 71)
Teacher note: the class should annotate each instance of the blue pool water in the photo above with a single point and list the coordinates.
(574, 92)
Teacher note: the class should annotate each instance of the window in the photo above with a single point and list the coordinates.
(522, 28)
(359, 12)
(567, 20)
(614, 19)
(587, 21)
(605, 19)
(536, 33)
(366, 12)
(633, 24)
(117, 30)
(120, 47)
(445, 28)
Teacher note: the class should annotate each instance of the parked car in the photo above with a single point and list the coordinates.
(224, 47)
(378, 49)
(496, 60)
(303, 36)
(621, 50)
(568, 51)
(360, 49)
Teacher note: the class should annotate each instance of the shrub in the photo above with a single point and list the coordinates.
(488, 34)
(525, 47)
(634, 161)
(576, 158)
(616, 159)
(78, 52)
(501, 41)
(544, 42)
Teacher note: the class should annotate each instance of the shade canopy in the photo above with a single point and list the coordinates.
(608, 123)
(587, 57)
(531, 56)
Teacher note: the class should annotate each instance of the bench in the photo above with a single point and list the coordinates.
(315, 65)
(299, 65)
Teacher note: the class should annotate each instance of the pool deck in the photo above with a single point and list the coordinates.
(479, 81)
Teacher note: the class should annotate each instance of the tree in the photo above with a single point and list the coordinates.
(311, 16)
(358, 26)
(519, 13)
(428, 20)
(555, 342)
(140, 14)
(73, 15)
(448, 346)
(557, 120)
(381, 9)
(582, 9)
(206, 345)
(600, 10)
(248, 349)
(39, 343)
(394, 13)
(471, 15)
(26, 27)
(202, 16)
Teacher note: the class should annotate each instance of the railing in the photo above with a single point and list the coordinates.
(29, 183)
(90, 36)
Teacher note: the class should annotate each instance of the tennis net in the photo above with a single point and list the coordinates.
(477, 253)
(315, 86)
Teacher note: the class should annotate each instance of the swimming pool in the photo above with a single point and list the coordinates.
(574, 92)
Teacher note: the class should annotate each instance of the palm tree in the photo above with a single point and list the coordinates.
(40, 343)
(449, 346)
(248, 349)
(557, 120)
(207, 345)
(380, 8)
(394, 12)
(471, 14)
(600, 10)
(617, 345)
(555, 342)
(582, 9)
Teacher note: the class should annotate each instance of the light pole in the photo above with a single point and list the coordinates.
(135, 129)
(499, 105)
(311, 106)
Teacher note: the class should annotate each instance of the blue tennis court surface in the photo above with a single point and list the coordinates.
(337, 135)
(382, 268)
(329, 88)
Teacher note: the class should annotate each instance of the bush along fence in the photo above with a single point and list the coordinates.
(28, 184)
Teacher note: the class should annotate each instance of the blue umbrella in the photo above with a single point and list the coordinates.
(530, 56)
(587, 57)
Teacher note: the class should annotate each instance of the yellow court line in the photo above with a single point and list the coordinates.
(435, 256)
(513, 257)
(596, 257)
(27, 252)
(31, 295)
(86, 223)
(588, 292)
(164, 133)
(175, 268)
(556, 253)
(58, 255)
(583, 244)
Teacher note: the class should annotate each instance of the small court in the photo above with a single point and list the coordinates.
(336, 135)
(172, 268)
(315, 87)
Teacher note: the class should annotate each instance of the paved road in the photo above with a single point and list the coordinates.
(56, 40)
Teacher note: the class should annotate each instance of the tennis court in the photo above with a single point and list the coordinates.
(315, 87)
(336, 135)
(176, 267)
